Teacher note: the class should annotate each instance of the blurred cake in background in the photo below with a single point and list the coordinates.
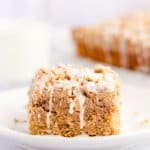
(123, 42)
(69, 100)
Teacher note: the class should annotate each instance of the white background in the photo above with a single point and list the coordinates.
(73, 12)
(66, 13)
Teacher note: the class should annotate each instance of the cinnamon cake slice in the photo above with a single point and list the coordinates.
(124, 41)
(68, 100)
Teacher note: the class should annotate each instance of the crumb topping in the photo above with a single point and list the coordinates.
(75, 80)
(67, 76)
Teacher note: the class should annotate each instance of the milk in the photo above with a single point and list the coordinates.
(24, 47)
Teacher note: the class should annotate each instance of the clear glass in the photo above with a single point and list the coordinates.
(25, 39)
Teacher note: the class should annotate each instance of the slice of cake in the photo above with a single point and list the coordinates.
(124, 42)
(69, 100)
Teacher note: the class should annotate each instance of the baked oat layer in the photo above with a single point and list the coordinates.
(68, 100)
(124, 42)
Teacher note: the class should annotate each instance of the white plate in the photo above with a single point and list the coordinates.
(135, 124)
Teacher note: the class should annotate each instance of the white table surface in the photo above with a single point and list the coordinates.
(8, 145)
(5, 145)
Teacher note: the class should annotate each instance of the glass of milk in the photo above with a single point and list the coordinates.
(25, 40)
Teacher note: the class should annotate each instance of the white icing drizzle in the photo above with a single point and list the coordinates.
(38, 117)
(48, 119)
(71, 107)
(91, 87)
(106, 47)
(65, 84)
(50, 108)
(144, 39)
(107, 83)
(41, 82)
(123, 50)
(97, 87)
(108, 77)
(81, 100)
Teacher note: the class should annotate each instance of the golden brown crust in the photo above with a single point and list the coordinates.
(123, 42)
